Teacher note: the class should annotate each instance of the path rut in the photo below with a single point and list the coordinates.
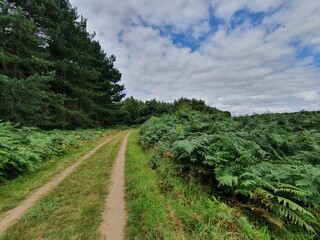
(115, 216)
(13, 215)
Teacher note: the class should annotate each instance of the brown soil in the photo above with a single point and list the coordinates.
(13, 215)
(115, 216)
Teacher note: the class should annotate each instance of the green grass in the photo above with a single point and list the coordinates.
(199, 214)
(162, 205)
(16, 190)
(73, 209)
(147, 211)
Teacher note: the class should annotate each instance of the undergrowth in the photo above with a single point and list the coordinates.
(163, 205)
(267, 165)
(22, 149)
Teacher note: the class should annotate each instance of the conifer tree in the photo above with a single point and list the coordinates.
(47, 39)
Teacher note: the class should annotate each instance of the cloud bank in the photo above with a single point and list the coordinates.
(242, 56)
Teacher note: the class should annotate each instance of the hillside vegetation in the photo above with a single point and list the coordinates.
(267, 165)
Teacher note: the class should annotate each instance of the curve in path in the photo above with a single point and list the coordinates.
(13, 215)
(115, 216)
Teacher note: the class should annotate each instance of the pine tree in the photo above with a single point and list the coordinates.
(39, 38)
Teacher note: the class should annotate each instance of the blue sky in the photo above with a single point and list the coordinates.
(243, 56)
(186, 39)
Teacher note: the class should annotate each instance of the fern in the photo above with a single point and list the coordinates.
(293, 206)
(185, 146)
(228, 180)
(24, 149)
(270, 161)
(294, 217)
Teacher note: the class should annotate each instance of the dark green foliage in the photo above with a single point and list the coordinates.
(269, 164)
(28, 101)
(195, 104)
(134, 111)
(23, 149)
(41, 40)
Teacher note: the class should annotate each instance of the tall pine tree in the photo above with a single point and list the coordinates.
(48, 40)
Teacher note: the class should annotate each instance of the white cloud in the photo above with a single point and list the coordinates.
(249, 68)
(225, 9)
(301, 21)
(201, 29)
(309, 96)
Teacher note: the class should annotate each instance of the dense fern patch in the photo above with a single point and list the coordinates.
(22, 149)
(268, 165)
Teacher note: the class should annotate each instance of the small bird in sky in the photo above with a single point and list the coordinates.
(283, 26)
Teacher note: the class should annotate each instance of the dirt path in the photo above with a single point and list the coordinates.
(13, 215)
(115, 216)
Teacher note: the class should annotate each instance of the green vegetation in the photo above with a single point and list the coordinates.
(162, 205)
(52, 73)
(197, 214)
(24, 149)
(267, 166)
(147, 213)
(16, 190)
(73, 209)
(134, 111)
(208, 175)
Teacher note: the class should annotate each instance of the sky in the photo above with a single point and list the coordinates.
(242, 56)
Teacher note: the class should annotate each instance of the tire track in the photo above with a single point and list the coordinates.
(115, 216)
(13, 215)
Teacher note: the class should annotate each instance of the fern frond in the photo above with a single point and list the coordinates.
(287, 188)
(294, 218)
(244, 192)
(293, 206)
(259, 191)
(228, 180)
(185, 145)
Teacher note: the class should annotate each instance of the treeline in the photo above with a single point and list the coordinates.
(53, 74)
(134, 111)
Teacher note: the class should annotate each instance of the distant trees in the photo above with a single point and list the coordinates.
(134, 111)
(197, 105)
(52, 72)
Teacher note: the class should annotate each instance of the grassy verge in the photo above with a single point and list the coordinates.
(147, 213)
(161, 205)
(199, 214)
(73, 209)
(16, 190)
